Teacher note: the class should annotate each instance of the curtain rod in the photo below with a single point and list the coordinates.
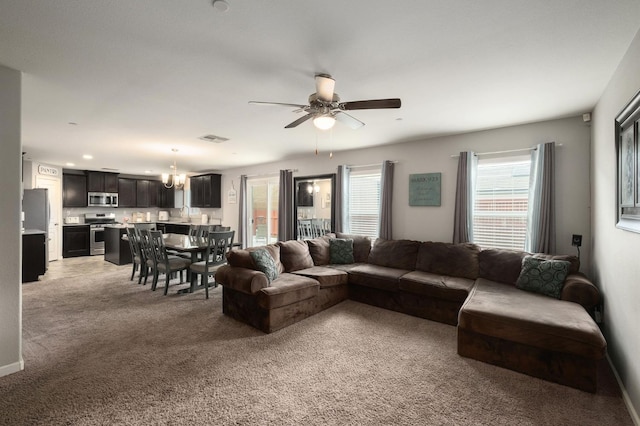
(370, 165)
(532, 148)
(268, 174)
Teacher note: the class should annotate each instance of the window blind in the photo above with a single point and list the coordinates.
(364, 202)
(501, 200)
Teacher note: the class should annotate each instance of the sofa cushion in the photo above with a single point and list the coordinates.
(501, 265)
(341, 251)
(294, 255)
(326, 277)
(242, 258)
(456, 260)
(399, 254)
(543, 276)
(507, 313)
(265, 263)
(436, 286)
(361, 246)
(287, 289)
(375, 276)
(319, 250)
(574, 261)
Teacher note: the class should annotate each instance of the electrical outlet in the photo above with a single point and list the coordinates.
(576, 240)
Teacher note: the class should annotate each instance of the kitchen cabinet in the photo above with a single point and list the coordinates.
(116, 250)
(75, 241)
(102, 182)
(127, 192)
(171, 198)
(205, 191)
(155, 193)
(176, 228)
(74, 190)
(142, 193)
(34, 257)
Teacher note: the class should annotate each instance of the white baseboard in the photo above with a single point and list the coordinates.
(625, 396)
(5, 370)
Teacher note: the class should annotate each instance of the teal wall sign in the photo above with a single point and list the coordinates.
(424, 189)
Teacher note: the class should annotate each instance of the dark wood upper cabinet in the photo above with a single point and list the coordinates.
(74, 190)
(205, 191)
(102, 182)
(155, 193)
(127, 192)
(142, 193)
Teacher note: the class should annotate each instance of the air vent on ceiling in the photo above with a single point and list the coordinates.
(109, 169)
(213, 138)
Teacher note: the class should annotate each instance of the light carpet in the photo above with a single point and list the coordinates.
(103, 350)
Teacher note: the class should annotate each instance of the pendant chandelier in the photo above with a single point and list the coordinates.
(174, 179)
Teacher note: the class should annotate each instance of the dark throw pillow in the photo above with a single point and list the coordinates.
(543, 276)
(341, 251)
(265, 263)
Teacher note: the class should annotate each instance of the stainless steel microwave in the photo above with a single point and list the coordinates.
(102, 199)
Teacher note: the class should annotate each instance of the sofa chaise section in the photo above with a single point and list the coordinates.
(552, 339)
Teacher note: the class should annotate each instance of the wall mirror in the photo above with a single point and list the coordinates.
(314, 205)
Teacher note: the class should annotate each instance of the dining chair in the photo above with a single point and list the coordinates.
(138, 257)
(218, 244)
(165, 264)
(147, 251)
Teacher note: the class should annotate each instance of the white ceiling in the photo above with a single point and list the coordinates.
(142, 77)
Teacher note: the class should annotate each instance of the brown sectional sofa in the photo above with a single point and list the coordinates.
(457, 284)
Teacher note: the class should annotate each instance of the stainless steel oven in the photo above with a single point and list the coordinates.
(97, 222)
(102, 199)
(97, 239)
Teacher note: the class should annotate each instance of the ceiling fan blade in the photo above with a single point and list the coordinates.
(298, 121)
(371, 104)
(324, 87)
(347, 119)
(277, 104)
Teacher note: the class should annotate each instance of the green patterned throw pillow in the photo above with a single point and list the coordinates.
(265, 263)
(341, 250)
(543, 276)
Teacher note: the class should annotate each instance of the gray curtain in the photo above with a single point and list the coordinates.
(342, 199)
(242, 233)
(386, 201)
(465, 194)
(541, 223)
(285, 206)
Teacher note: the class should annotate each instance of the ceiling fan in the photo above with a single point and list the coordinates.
(325, 107)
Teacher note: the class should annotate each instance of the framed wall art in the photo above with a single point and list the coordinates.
(424, 189)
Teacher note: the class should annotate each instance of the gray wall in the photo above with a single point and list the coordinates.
(615, 267)
(10, 249)
(434, 155)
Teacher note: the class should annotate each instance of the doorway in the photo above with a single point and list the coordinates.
(55, 208)
(262, 209)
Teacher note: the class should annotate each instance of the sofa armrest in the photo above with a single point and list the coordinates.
(245, 280)
(579, 289)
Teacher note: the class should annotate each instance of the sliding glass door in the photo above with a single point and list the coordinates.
(262, 209)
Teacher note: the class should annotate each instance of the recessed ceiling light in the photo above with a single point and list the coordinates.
(70, 164)
(87, 157)
(148, 171)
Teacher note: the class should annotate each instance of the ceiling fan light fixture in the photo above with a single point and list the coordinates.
(324, 122)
